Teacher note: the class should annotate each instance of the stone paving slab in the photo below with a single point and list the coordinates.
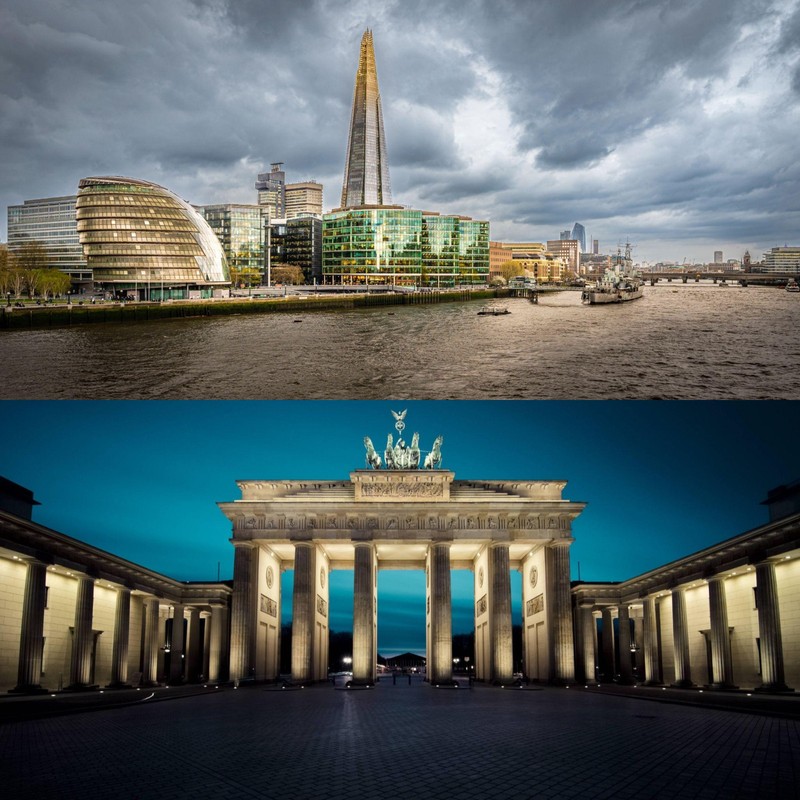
(403, 742)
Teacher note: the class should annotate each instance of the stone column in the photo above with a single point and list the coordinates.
(151, 644)
(206, 617)
(364, 614)
(243, 611)
(440, 657)
(194, 664)
(608, 644)
(176, 646)
(680, 640)
(500, 610)
(559, 612)
(303, 612)
(31, 638)
(216, 637)
(769, 630)
(80, 668)
(119, 654)
(721, 662)
(650, 644)
(586, 616)
(624, 627)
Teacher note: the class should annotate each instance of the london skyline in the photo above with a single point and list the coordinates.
(671, 126)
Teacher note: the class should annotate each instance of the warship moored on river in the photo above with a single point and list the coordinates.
(620, 283)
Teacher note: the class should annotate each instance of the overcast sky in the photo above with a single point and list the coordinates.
(672, 122)
(142, 479)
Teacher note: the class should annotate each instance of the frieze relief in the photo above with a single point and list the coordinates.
(409, 522)
(481, 606)
(535, 605)
(269, 606)
(397, 489)
(322, 606)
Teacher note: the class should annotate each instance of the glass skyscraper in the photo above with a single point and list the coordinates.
(366, 172)
(50, 221)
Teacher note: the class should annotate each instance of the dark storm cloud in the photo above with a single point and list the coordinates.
(675, 120)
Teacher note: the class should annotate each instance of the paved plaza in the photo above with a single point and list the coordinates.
(401, 741)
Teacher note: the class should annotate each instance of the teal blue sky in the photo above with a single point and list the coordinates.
(142, 479)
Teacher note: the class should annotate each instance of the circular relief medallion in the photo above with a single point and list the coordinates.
(480, 577)
(270, 577)
(322, 577)
(533, 577)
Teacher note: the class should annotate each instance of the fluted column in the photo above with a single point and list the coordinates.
(216, 638)
(680, 640)
(624, 628)
(721, 662)
(608, 643)
(364, 614)
(769, 630)
(29, 671)
(243, 611)
(176, 645)
(119, 653)
(206, 617)
(650, 644)
(562, 653)
(303, 611)
(500, 610)
(80, 668)
(193, 647)
(586, 615)
(440, 657)
(151, 644)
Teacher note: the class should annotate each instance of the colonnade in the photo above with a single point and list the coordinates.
(616, 655)
(309, 629)
(189, 661)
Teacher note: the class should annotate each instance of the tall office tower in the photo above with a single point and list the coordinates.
(366, 172)
(564, 235)
(303, 198)
(579, 234)
(51, 222)
(271, 188)
(595, 247)
(718, 256)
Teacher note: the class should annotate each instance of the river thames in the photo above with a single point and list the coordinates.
(678, 342)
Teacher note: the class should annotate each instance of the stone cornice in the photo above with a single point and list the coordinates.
(770, 541)
(32, 540)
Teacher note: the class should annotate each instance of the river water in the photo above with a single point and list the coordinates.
(680, 341)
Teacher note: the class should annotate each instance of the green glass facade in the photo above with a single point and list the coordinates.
(403, 247)
(240, 230)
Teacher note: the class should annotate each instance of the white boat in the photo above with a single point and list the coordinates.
(493, 311)
(619, 284)
(792, 286)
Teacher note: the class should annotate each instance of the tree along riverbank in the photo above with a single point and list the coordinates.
(37, 317)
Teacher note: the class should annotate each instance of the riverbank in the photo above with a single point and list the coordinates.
(38, 317)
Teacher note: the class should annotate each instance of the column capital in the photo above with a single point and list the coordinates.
(565, 542)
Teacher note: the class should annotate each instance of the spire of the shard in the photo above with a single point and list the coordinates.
(366, 173)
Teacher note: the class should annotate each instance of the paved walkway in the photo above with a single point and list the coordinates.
(403, 742)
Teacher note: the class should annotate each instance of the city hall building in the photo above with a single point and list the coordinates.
(77, 617)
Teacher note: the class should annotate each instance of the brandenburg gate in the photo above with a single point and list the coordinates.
(402, 512)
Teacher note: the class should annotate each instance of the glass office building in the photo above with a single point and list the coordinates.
(240, 230)
(50, 221)
(142, 240)
(393, 245)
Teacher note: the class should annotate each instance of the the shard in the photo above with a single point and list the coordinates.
(366, 172)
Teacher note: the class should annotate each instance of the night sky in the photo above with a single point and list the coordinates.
(141, 479)
(672, 123)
